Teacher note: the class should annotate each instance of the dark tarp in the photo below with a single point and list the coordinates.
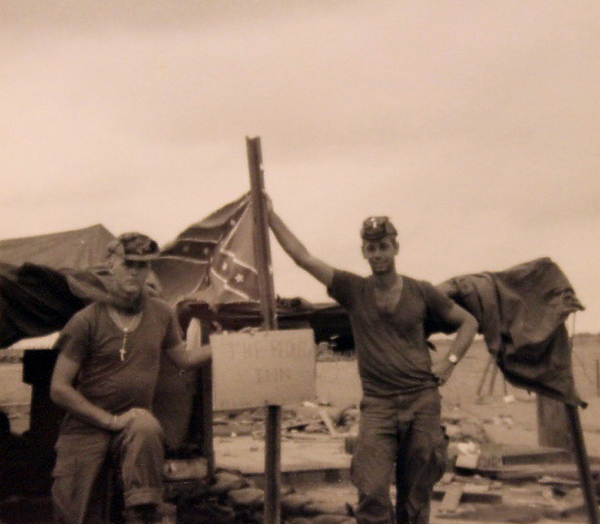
(35, 298)
(521, 313)
(38, 300)
(34, 301)
(521, 310)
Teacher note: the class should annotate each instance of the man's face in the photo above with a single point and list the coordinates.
(380, 254)
(130, 275)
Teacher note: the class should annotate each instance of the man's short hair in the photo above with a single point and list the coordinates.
(376, 227)
(134, 246)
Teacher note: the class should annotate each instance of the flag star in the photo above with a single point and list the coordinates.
(232, 222)
(186, 249)
(224, 266)
(206, 250)
(239, 278)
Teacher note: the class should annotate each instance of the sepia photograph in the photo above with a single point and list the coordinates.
(299, 262)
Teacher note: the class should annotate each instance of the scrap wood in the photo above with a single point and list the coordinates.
(536, 456)
(469, 492)
(478, 487)
(297, 424)
(533, 471)
(447, 477)
(466, 461)
(451, 498)
(567, 482)
(328, 422)
(497, 513)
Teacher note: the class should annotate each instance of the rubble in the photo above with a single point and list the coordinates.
(306, 418)
(485, 480)
(233, 499)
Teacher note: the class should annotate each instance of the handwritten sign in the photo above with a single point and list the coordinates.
(263, 368)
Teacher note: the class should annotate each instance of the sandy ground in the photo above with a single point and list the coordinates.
(507, 414)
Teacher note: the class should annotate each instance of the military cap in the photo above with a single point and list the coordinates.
(374, 228)
(134, 246)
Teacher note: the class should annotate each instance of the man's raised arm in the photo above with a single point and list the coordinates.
(297, 251)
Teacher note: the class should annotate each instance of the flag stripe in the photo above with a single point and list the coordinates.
(223, 282)
(221, 248)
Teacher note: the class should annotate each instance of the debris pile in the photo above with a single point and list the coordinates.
(306, 418)
(485, 480)
(511, 484)
(230, 498)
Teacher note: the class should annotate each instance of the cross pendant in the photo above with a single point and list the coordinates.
(122, 352)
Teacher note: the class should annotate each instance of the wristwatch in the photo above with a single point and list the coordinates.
(453, 359)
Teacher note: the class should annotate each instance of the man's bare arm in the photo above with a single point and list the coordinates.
(66, 396)
(187, 358)
(467, 330)
(298, 252)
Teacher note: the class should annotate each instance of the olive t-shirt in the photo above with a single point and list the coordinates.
(114, 375)
(392, 351)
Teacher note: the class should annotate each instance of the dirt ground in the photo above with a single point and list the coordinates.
(505, 414)
(502, 414)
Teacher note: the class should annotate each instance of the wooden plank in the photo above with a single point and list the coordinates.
(536, 456)
(452, 498)
(328, 422)
(533, 471)
(468, 494)
(447, 477)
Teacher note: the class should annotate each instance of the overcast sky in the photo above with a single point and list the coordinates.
(474, 125)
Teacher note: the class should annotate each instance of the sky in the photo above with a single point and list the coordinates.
(474, 125)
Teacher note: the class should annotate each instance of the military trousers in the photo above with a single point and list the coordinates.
(402, 437)
(91, 465)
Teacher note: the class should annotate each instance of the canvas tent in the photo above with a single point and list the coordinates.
(34, 298)
(76, 249)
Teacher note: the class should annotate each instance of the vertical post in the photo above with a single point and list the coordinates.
(262, 254)
(597, 378)
(206, 400)
(587, 483)
(488, 366)
(493, 380)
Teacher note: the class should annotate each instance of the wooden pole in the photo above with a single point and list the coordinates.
(583, 464)
(488, 366)
(262, 253)
(493, 379)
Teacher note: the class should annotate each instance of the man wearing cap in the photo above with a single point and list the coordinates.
(400, 425)
(104, 378)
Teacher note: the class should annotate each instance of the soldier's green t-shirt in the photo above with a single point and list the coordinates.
(114, 376)
(392, 351)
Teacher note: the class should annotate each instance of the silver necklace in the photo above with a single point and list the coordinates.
(125, 329)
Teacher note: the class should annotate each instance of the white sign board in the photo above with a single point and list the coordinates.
(263, 368)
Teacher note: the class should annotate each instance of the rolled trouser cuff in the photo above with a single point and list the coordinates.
(138, 497)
